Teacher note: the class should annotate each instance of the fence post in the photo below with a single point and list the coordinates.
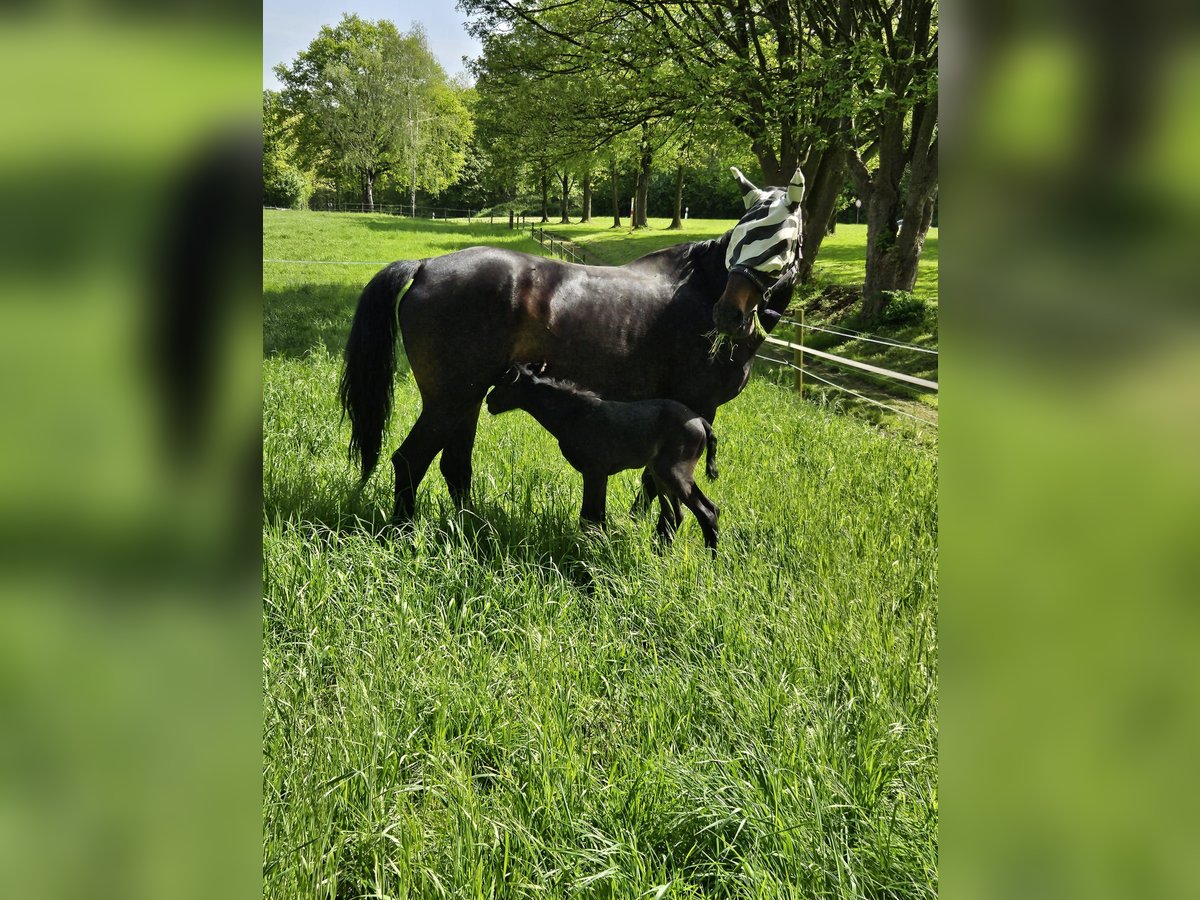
(798, 355)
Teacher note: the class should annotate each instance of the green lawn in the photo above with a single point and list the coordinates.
(497, 705)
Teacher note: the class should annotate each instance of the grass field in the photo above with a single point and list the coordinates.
(498, 705)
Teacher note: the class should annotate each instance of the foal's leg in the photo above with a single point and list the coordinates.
(595, 493)
(669, 517)
(456, 457)
(668, 511)
(706, 513)
(645, 495)
(412, 460)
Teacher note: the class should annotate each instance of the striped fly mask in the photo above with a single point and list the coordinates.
(763, 247)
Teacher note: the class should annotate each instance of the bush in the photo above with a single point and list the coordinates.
(284, 185)
(902, 308)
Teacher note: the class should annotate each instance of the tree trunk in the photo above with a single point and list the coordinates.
(772, 167)
(677, 220)
(911, 242)
(823, 184)
(612, 171)
(896, 223)
(893, 248)
(587, 197)
(640, 218)
(369, 191)
(565, 181)
(545, 196)
(412, 196)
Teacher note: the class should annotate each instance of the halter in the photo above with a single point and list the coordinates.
(760, 280)
(766, 286)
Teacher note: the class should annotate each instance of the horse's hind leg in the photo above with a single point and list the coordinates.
(412, 460)
(456, 456)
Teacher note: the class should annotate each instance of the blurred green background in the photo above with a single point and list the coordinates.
(129, 601)
(1070, 485)
(129, 612)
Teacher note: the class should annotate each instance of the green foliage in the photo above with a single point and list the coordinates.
(496, 704)
(284, 185)
(367, 101)
(902, 308)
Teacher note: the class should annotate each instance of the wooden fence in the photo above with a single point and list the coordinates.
(564, 249)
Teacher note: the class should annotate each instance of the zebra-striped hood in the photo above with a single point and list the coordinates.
(767, 238)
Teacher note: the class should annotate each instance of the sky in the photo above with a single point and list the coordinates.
(290, 25)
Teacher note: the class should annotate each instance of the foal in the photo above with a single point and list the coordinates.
(602, 437)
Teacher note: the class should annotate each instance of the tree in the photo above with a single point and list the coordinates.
(895, 126)
(284, 182)
(367, 101)
(590, 101)
(684, 60)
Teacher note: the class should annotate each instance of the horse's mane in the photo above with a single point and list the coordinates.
(695, 254)
(569, 386)
(689, 263)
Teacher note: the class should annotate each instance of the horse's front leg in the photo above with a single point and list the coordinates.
(595, 494)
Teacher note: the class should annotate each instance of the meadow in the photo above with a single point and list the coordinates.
(496, 704)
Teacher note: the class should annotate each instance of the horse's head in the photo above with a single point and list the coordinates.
(764, 243)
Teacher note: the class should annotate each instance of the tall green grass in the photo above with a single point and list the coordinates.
(497, 704)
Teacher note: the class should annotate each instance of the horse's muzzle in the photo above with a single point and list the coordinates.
(731, 321)
(733, 313)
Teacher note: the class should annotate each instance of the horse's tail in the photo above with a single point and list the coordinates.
(710, 464)
(370, 366)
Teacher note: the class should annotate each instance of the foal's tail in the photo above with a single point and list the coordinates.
(710, 464)
(370, 367)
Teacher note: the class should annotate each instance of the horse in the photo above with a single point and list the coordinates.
(678, 323)
(601, 437)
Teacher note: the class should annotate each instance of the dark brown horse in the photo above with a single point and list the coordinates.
(632, 332)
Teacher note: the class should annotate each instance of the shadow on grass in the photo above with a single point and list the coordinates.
(499, 536)
(295, 320)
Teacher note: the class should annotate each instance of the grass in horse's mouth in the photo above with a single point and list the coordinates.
(718, 340)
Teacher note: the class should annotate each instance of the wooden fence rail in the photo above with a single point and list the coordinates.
(565, 250)
(855, 364)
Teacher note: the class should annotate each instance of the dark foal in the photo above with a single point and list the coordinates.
(602, 437)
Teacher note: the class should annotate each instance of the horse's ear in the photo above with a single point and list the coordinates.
(795, 191)
(749, 191)
(511, 375)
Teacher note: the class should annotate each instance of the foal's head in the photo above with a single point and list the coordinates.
(763, 245)
(513, 389)
(528, 387)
